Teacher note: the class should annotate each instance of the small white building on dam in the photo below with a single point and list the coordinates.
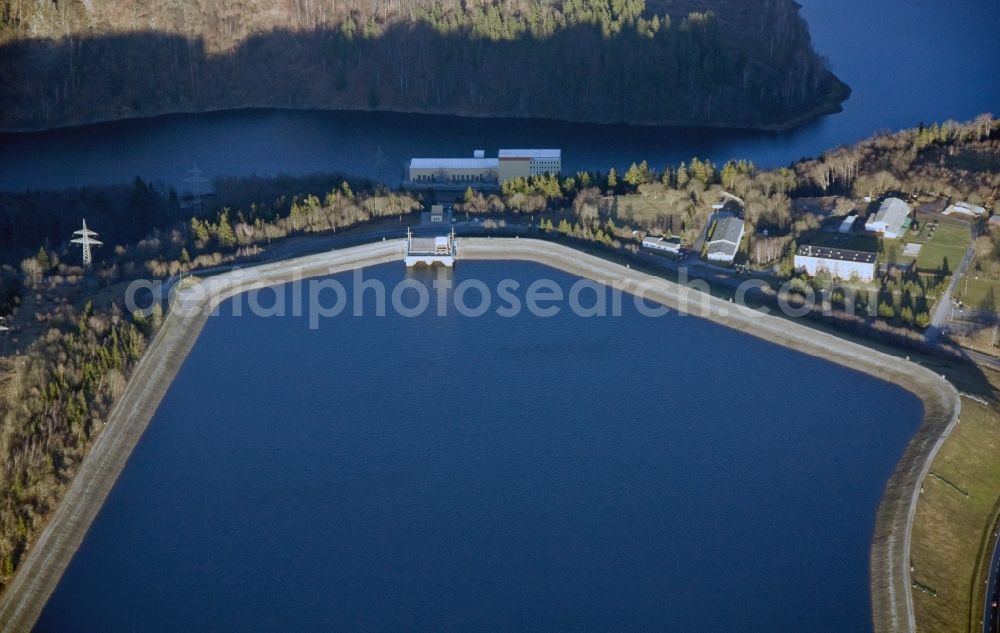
(430, 250)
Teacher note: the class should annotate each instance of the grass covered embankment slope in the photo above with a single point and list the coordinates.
(40, 571)
(731, 63)
(952, 532)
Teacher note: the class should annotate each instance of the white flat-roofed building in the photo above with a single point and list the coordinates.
(838, 262)
(966, 208)
(891, 220)
(522, 163)
(663, 243)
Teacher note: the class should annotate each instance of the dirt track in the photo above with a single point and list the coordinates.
(39, 573)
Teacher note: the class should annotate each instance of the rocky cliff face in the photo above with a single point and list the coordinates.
(715, 62)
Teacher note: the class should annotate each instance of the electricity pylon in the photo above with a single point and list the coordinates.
(86, 240)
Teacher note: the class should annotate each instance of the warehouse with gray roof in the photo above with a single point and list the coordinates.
(725, 241)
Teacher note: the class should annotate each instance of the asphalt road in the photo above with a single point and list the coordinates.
(991, 609)
(943, 308)
(985, 360)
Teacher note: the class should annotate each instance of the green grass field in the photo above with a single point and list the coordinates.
(947, 247)
(959, 502)
(979, 294)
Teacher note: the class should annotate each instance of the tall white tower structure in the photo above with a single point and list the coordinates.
(196, 180)
(87, 240)
(5, 330)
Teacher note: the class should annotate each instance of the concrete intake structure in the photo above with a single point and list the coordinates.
(429, 251)
(40, 571)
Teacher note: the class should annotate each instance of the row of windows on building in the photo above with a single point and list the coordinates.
(455, 178)
(545, 167)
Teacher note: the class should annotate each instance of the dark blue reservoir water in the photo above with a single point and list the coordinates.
(494, 473)
(908, 61)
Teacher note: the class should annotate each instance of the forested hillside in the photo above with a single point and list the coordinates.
(715, 62)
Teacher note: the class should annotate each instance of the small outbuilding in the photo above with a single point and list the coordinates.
(848, 224)
(436, 216)
(663, 243)
(966, 208)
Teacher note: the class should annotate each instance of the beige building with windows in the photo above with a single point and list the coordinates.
(480, 172)
(522, 163)
(474, 172)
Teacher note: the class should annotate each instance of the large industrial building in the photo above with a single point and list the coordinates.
(480, 172)
(522, 163)
(891, 220)
(726, 238)
(837, 262)
(474, 172)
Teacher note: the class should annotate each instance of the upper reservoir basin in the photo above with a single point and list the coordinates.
(524, 473)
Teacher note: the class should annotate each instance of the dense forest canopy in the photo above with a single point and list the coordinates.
(715, 62)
